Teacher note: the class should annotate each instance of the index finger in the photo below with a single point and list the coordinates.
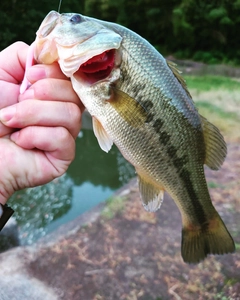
(12, 66)
(39, 71)
(12, 62)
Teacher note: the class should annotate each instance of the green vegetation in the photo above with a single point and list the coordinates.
(217, 99)
(237, 245)
(214, 185)
(203, 105)
(220, 296)
(208, 82)
(201, 30)
(113, 206)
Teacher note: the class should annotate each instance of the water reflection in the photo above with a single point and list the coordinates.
(94, 165)
(36, 208)
(93, 177)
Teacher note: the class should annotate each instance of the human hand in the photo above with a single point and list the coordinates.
(37, 129)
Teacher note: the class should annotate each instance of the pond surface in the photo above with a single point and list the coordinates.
(92, 178)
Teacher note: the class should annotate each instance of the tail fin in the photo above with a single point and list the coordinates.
(211, 238)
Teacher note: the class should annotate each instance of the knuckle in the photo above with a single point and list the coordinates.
(63, 135)
(74, 112)
(26, 112)
(20, 44)
(42, 89)
(65, 140)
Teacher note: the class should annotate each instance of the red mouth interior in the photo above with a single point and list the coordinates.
(99, 66)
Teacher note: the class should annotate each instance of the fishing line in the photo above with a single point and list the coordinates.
(59, 6)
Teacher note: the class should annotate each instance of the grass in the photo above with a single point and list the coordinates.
(237, 245)
(210, 82)
(214, 185)
(221, 296)
(218, 99)
(113, 206)
(213, 108)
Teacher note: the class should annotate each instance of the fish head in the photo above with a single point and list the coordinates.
(77, 43)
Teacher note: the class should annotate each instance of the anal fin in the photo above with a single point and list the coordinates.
(151, 195)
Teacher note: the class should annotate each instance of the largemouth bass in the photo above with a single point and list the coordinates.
(139, 101)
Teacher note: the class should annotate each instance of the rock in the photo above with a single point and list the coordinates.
(16, 283)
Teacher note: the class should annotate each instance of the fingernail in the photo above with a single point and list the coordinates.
(14, 136)
(36, 73)
(7, 113)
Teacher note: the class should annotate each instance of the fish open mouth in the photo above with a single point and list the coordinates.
(99, 66)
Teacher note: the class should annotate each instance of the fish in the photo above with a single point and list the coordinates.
(139, 101)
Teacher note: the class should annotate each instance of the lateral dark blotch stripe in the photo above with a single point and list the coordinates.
(147, 104)
(158, 125)
(172, 151)
(137, 88)
(200, 214)
(125, 76)
(149, 118)
(179, 162)
(164, 137)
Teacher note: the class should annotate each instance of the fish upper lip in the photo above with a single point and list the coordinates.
(51, 19)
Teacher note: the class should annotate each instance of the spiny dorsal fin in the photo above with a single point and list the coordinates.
(177, 74)
(151, 195)
(215, 146)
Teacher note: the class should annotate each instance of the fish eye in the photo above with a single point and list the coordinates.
(76, 19)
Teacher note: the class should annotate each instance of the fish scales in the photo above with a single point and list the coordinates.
(139, 101)
(151, 89)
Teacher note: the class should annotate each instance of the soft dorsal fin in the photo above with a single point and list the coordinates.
(151, 195)
(177, 74)
(105, 142)
(215, 146)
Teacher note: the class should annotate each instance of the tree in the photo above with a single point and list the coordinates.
(200, 29)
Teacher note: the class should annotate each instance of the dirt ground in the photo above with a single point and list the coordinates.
(136, 255)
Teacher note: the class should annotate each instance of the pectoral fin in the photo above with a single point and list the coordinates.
(215, 146)
(105, 142)
(151, 196)
(128, 108)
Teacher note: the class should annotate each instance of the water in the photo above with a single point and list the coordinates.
(92, 178)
